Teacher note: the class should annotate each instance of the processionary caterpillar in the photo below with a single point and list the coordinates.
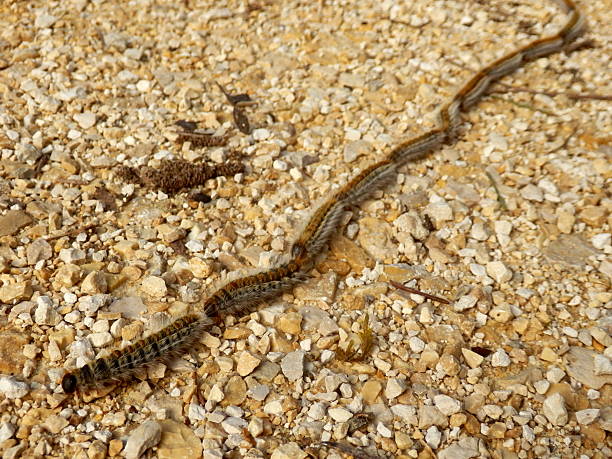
(237, 296)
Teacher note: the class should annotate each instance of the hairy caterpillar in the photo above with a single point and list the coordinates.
(237, 296)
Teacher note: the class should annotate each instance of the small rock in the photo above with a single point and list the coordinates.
(154, 286)
(100, 339)
(464, 303)
(375, 236)
(565, 222)
(11, 388)
(532, 193)
(97, 450)
(416, 344)
(85, 120)
(587, 416)
(406, 413)
(548, 355)
(370, 391)
(499, 271)
(500, 359)
(289, 451)
(290, 322)
(44, 20)
(433, 437)
(7, 430)
(383, 430)
(45, 314)
(18, 291)
(90, 304)
(177, 441)
(554, 410)
(235, 391)
(67, 275)
(502, 313)
(602, 365)
(247, 362)
(460, 450)
(440, 211)
(449, 364)
(233, 425)
(355, 149)
(13, 221)
(395, 388)
(339, 414)
(259, 392)
(142, 438)
(38, 250)
(472, 358)
(555, 374)
(55, 423)
(130, 307)
(94, 282)
(317, 410)
(292, 365)
(594, 216)
(431, 415)
(274, 407)
(447, 405)
(541, 386)
(170, 233)
(600, 241)
(72, 255)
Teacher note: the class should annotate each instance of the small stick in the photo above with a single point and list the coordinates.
(418, 292)
(500, 198)
(527, 106)
(72, 232)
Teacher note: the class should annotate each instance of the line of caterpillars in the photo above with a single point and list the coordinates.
(242, 294)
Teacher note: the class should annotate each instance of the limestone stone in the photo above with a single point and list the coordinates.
(13, 221)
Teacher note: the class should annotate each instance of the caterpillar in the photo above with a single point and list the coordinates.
(240, 295)
(162, 346)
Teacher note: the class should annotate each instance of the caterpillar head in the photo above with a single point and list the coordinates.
(69, 383)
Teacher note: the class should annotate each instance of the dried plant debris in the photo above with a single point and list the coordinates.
(202, 139)
(188, 126)
(198, 138)
(364, 346)
(241, 120)
(239, 101)
(174, 175)
(404, 288)
(199, 197)
(106, 198)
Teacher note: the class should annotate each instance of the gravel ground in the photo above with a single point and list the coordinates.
(511, 223)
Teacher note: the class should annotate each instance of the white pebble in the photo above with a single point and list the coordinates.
(416, 344)
(554, 410)
(600, 241)
(587, 416)
(85, 120)
(383, 430)
(11, 388)
(499, 271)
(500, 359)
(447, 405)
(433, 437)
(465, 302)
(261, 134)
(339, 414)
